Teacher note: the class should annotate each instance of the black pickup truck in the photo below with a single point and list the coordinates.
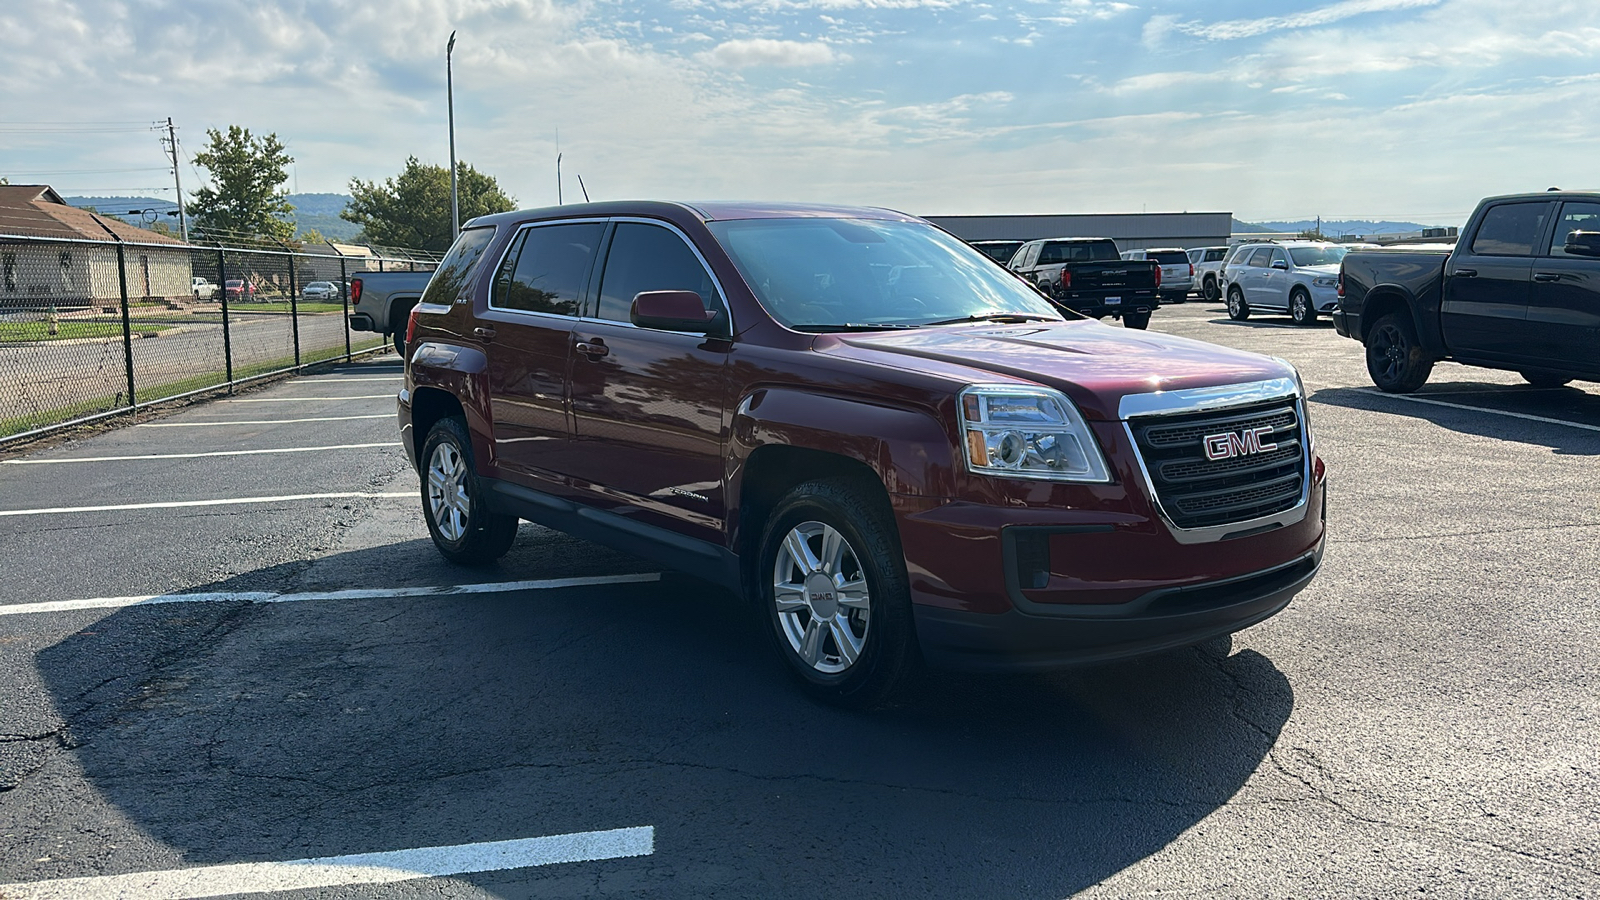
(1519, 291)
(1089, 276)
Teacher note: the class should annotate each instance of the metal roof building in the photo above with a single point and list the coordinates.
(1131, 231)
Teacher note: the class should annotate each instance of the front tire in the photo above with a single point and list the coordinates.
(1238, 310)
(1395, 358)
(837, 600)
(459, 520)
(1300, 308)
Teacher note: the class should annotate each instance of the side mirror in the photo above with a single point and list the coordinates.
(1280, 264)
(1582, 243)
(671, 311)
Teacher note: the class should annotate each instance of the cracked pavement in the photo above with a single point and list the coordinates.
(1420, 720)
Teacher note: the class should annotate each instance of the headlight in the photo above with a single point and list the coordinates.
(1325, 281)
(1024, 432)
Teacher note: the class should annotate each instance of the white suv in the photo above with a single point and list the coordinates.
(1207, 262)
(1300, 278)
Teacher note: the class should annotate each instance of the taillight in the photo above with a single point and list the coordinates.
(1341, 284)
(355, 291)
(1158, 276)
(411, 325)
(1066, 280)
(1191, 270)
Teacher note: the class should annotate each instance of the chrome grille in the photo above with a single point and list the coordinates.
(1197, 492)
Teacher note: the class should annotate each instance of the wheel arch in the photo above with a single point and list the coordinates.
(1383, 301)
(448, 380)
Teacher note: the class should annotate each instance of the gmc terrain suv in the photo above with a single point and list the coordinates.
(899, 452)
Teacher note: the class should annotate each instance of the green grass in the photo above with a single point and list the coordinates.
(40, 331)
(306, 307)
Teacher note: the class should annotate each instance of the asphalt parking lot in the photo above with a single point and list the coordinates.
(1421, 720)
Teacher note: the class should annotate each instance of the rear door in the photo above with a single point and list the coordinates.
(527, 335)
(649, 407)
(1487, 284)
(1564, 298)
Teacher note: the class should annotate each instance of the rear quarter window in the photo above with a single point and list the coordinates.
(453, 278)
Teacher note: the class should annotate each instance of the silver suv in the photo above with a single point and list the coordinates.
(1177, 274)
(1300, 278)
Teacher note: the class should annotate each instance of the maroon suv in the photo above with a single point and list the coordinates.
(902, 452)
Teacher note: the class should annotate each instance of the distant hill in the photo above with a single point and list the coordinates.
(319, 211)
(1343, 226)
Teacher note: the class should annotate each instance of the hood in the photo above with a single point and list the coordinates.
(1332, 269)
(1094, 364)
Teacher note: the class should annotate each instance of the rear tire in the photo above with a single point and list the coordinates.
(1395, 358)
(1300, 308)
(1139, 320)
(837, 601)
(459, 520)
(1209, 290)
(1238, 310)
(1546, 379)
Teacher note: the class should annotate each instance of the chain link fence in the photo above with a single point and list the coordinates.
(92, 328)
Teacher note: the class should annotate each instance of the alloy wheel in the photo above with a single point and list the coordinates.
(447, 491)
(820, 590)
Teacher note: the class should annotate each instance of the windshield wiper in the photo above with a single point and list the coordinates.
(1009, 318)
(854, 326)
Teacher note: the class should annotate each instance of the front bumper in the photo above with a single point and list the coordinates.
(1160, 620)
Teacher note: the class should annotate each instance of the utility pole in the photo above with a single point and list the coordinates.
(450, 101)
(177, 183)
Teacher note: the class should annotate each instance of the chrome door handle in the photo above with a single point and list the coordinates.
(1466, 273)
(1547, 276)
(484, 333)
(593, 349)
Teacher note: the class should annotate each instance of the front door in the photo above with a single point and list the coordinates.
(527, 335)
(1564, 303)
(649, 407)
(1486, 287)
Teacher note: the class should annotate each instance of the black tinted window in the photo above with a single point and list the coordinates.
(649, 258)
(1216, 254)
(546, 268)
(1169, 257)
(1574, 217)
(1510, 230)
(454, 275)
(1262, 257)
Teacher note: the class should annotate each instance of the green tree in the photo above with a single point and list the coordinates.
(412, 209)
(246, 196)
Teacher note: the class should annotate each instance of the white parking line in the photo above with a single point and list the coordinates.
(1497, 412)
(394, 377)
(260, 421)
(308, 399)
(341, 871)
(92, 459)
(455, 590)
(179, 504)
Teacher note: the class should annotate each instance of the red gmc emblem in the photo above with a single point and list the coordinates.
(1238, 443)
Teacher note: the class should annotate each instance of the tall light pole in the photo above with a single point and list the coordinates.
(450, 102)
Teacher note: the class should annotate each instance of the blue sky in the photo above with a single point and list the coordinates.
(1400, 109)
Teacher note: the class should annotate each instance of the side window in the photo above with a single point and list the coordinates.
(1215, 255)
(650, 258)
(1051, 254)
(1510, 229)
(1262, 257)
(1278, 256)
(551, 265)
(1032, 258)
(1574, 217)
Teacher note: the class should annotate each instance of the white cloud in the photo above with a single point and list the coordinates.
(743, 54)
(1326, 15)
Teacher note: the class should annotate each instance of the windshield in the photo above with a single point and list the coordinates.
(1169, 257)
(1317, 256)
(836, 274)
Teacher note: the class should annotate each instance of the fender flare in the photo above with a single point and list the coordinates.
(462, 373)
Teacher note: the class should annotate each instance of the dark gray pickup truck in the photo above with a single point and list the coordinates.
(1519, 291)
(1089, 276)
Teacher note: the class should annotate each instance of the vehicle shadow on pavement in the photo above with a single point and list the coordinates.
(238, 732)
(1563, 404)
